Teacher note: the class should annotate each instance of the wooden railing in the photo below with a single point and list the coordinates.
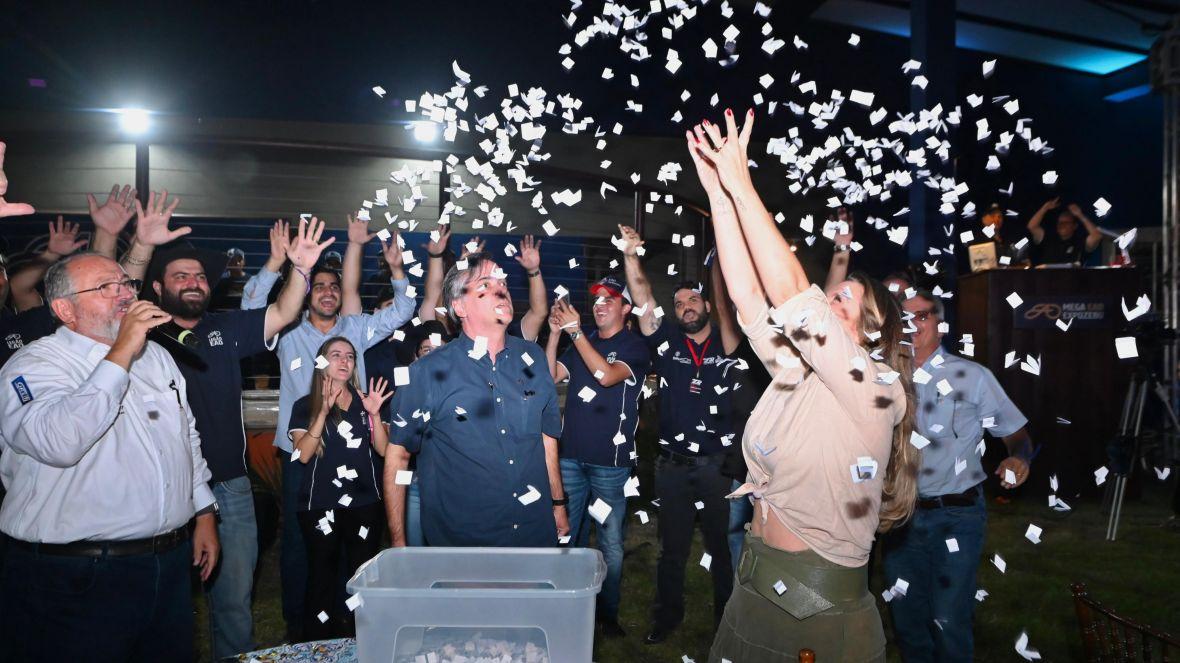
(1108, 637)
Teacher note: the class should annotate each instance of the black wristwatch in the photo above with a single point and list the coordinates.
(565, 500)
(533, 273)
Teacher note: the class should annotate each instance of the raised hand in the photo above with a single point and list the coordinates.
(567, 318)
(1075, 210)
(63, 239)
(529, 255)
(435, 248)
(473, 245)
(113, 215)
(706, 173)
(7, 208)
(280, 240)
(393, 254)
(152, 227)
(844, 240)
(376, 397)
(554, 321)
(727, 153)
(330, 391)
(305, 249)
(1051, 204)
(358, 231)
(631, 240)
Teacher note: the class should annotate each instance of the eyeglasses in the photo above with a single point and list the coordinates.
(111, 289)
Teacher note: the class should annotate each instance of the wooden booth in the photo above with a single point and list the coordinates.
(1073, 406)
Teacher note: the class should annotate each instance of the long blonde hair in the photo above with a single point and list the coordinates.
(880, 312)
(317, 385)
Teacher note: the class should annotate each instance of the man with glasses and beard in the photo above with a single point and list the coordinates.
(183, 279)
(104, 468)
(693, 361)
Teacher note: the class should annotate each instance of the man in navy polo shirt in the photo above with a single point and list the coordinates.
(481, 413)
(696, 425)
(211, 366)
(606, 369)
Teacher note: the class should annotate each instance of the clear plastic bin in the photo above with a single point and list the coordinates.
(535, 605)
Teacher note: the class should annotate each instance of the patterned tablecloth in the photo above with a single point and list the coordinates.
(323, 651)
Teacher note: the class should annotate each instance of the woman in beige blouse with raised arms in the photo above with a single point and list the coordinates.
(828, 448)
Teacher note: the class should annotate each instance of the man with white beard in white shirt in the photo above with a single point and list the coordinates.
(104, 472)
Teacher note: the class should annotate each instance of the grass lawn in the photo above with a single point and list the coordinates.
(1138, 576)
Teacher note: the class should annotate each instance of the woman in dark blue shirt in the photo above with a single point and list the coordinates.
(339, 433)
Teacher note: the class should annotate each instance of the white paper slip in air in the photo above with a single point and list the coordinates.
(600, 510)
(531, 496)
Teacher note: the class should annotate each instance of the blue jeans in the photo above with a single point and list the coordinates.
(741, 511)
(101, 609)
(293, 554)
(585, 483)
(230, 588)
(942, 583)
(414, 535)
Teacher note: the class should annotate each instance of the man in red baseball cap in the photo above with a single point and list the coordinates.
(605, 368)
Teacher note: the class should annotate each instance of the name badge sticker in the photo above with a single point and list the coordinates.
(22, 390)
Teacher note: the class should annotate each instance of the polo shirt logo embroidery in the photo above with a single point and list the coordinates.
(215, 339)
(22, 390)
(610, 358)
(14, 341)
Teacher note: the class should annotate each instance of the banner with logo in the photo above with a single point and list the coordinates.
(1085, 311)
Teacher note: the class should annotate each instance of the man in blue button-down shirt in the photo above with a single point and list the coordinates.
(938, 551)
(297, 357)
(481, 413)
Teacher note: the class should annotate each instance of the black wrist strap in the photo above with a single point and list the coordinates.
(436, 255)
(565, 499)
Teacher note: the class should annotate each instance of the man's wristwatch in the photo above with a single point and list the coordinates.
(575, 334)
(565, 500)
(533, 273)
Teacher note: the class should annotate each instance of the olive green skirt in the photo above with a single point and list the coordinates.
(783, 602)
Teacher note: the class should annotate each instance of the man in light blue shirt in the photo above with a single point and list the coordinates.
(297, 349)
(938, 551)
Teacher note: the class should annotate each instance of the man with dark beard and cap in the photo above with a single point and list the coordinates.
(208, 348)
(697, 375)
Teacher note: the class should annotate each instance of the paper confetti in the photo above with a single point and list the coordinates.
(531, 496)
(600, 510)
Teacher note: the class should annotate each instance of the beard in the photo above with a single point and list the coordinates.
(179, 307)
(324, 312)
(695, 325)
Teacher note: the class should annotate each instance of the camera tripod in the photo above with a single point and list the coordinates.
(1125, 449)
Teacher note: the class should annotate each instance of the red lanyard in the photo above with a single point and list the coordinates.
(697, 361)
